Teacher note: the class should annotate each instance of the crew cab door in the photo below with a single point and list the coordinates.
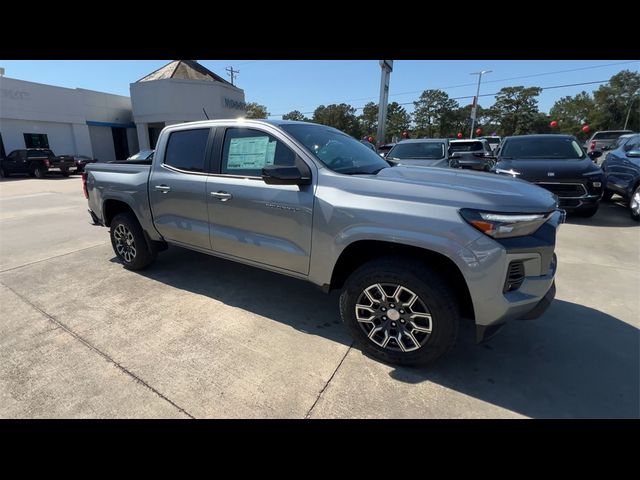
(250, 220)
(177, 187)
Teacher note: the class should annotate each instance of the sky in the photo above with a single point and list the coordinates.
(286, 85)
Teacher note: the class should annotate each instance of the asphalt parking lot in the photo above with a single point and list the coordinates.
(196, 336)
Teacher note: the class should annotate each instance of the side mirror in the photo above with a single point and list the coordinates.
(633, 154)
(286, 175)
(595, 154)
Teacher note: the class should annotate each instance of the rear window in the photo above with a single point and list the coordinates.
(466, 147)
(542, 148)
(186, 149)
(608, 135)
(424, 151)
(39, 153)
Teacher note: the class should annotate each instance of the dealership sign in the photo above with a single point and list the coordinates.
(234, 104)
(13, 94)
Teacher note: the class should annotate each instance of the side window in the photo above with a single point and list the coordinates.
(186, 149)
(246, 151)
(632, 144)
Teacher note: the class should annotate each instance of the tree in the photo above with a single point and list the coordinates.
(369, 119)
(573, 112)
(434, 107)
(616, 99)
(255, 110)
(295, 115)
(340, 116)
(398, 120)
(516, 109)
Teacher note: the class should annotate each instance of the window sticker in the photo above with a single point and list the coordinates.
(250, 153)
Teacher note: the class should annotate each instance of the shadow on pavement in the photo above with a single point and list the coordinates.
(574, 362)
(283, 299)
(610, 214)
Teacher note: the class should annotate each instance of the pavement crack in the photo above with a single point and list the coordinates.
(50, 258)
(328, 382)
(95, 349)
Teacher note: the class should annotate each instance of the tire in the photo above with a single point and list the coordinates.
(4, 173)
(39, 172)
(129, 243)
(587, 212)
(606, 196)
(634, 204)
(433, 295)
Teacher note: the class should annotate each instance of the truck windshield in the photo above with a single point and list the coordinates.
(419, 150)
(338, 151)
(542, 148)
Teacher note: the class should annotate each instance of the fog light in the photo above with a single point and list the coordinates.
(597, 184)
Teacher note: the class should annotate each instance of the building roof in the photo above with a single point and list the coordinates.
(184, 70)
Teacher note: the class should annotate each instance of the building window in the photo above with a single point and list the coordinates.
(36, 140)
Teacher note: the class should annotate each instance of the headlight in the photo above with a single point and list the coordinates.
(504, 225)
(511, 172)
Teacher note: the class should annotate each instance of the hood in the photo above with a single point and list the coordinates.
(549, 169)
(456, 187)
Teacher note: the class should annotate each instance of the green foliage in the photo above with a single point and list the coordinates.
(434, 113)
(255, 110)
(340, 116)
(295, 115)
(516, 109)
(398, 120)
(621, 96)
(572, 113)
(369, 119)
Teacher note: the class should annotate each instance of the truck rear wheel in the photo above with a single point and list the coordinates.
(129, 243)
(400, 311)
(38, 172)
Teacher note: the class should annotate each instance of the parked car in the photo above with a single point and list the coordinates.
(557, 163)
(413, 250)
(141, 156)
(622, 139)
(622, 174)
(475, 154)
(384, 149)
(494, 142)
(602, 139)
(426, 152)
(82, 161)
(36, 162)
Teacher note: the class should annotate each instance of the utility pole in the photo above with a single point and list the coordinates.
(633, 99)
(386, 67)
(232, 73)
(475, 100)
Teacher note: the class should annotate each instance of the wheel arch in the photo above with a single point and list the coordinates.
(361, 251)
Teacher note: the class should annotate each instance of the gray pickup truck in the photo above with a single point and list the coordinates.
(414, 250)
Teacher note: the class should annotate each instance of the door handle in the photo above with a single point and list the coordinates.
(163, 188)
(222, 196)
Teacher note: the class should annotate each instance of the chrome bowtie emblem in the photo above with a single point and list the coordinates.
(551, 174)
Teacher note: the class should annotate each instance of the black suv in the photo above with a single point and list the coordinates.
(36, 162)
(557, 163)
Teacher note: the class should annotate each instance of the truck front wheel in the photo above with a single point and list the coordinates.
(129, 243)
(400, 311)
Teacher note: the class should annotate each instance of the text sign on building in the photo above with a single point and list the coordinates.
(234, 104)
(14, 94)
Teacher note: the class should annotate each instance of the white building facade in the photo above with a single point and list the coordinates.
(112, 127)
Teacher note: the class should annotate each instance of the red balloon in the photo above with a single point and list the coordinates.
(553, 124)
(459, 135)
(478, 131)
(585, 128)
(370, 139)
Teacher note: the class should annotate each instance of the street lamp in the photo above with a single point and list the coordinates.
(475, 99)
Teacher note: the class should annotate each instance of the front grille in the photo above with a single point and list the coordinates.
(565, 190)
(515, 276)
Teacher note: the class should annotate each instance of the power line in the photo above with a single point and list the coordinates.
(483, 95)
(373, 97)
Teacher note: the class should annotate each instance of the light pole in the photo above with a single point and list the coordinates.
(475, 99)
(386, 67)
(633, 99)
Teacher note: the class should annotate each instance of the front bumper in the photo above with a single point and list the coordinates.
(494, 306)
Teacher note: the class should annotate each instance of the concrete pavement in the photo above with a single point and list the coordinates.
(196, 336)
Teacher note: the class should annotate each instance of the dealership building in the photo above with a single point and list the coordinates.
(77, 121)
